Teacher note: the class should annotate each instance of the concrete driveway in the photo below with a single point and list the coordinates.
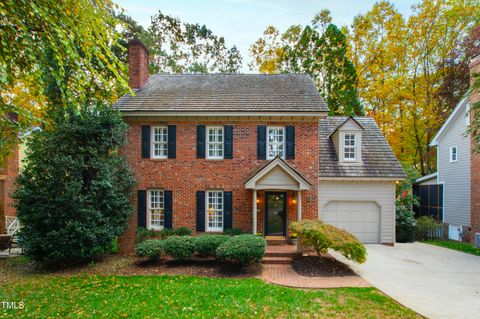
(434, 281)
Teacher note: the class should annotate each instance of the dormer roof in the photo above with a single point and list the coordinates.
(350, 118)
(378, 160)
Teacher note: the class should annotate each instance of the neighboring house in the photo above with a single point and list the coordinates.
(255, 152)
(8, 174)
(457, 170)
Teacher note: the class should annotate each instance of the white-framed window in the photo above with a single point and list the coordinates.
(215, 142)
(349, 147)
(275, 142)
(156, 212)
(214, 213)
(453, 153)
(159, 142)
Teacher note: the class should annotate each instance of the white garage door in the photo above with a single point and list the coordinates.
(359, 218)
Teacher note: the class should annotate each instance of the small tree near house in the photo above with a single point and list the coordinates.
(72, 196)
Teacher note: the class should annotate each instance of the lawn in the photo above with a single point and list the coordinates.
(188, 297)
(456, 245)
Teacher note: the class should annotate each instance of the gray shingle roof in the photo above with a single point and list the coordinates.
(226, 93)
(378, 160)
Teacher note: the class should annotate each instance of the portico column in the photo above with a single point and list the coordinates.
(299, 205)
(254, 213)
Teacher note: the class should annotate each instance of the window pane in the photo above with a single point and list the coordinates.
(215, 210)
(159, 142)
(215, 142)
(275, 142)
(156, 209)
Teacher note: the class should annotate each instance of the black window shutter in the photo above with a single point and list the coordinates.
(172, 141)
(261, 142)
(168, 208)
(290, 142)
(200, 211)
(228, 142)
(200, 141)
(142, 208)
(227, 210)
(145, 141)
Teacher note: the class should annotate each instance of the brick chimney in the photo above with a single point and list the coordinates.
(475, 167)
(137, 64)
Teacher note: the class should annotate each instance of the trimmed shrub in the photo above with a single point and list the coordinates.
(179, 247)
(427, 228)
(206, 245)
(167, 232)
(182, 231)
(144, 234)
(242, 249)
(152, 248)
(321, 237)
(233, 232)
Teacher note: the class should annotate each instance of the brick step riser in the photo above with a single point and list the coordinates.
(276, 262)
(276, 242)
(268, 254)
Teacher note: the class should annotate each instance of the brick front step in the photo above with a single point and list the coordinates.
(277, 260)
(285, 253)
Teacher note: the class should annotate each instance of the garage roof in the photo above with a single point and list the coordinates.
(378, 160)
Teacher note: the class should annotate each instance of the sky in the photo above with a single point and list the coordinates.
(242, 22)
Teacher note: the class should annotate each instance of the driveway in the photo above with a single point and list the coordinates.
(434, 281)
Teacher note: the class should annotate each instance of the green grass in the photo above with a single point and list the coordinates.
(456, 245)
(94, 296)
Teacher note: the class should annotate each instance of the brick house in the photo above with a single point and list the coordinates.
(255, 152)
(8, 174)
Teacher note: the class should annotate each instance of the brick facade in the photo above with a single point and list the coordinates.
(187, 174)
(8, 174)
(475, 167)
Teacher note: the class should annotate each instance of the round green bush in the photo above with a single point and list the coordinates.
(242, 249)
(233, 232)
(182, 231)
(152, 248)
(206, 245)
(179, 247)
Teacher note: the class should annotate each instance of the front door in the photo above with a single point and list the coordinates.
(275, 213)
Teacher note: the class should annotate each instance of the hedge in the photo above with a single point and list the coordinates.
(152, 248)
(179, 247)
(242, 249)
(206, 245)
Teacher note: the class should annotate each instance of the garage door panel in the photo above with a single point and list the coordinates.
(362, 219)
(343, 216)
(357, 227)
(357, 217)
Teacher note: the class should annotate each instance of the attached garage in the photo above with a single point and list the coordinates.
(357, 175)
(366, 209)
(359, 218)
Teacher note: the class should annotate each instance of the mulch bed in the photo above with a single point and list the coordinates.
(130, 265)
(325, 266)
(196, 266)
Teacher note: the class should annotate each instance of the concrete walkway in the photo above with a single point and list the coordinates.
(434, 281)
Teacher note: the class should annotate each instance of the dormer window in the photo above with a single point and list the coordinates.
(349, 147)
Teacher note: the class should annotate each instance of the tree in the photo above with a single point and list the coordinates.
(319, 50)
(179, 47)
(54, 53)
(405, 75)
(73, 194)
